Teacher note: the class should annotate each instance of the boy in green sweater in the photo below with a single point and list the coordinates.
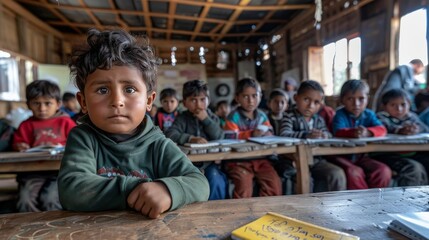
(117, 159)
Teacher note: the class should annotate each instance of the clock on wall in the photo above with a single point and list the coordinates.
(222, 90)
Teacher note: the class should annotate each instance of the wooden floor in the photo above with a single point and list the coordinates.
(362, 213)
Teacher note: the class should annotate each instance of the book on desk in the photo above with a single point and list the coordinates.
(52, 149)
(414, 225)
(277, 226)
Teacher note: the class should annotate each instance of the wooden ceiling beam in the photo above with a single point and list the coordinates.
(232, 19)
(165, 44)
(60, 16)
(170, 22)
(91, 15)
(118, 18)
(15, 7)
(263, 21)
(243, 7)
(141, 13)
(139, 29)
(147, 20)
(200, 21)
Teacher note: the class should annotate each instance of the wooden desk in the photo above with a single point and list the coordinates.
(306, 153)
(359, 212)
(14, 162)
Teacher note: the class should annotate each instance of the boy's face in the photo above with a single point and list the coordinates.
(223, 110)
(355, 103)
(169, 104)
(44, 107)
(398, 107)
(196, 104)
(249, 99)
(308, 102)
(116, 100)
(278, 104)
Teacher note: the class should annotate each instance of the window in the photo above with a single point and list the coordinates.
(9, 77)
(413, 33)
(341, 62)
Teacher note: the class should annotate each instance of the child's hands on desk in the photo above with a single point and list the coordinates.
(362, 131)
(409, 129)
(197, 140)
(317, 133)
(22, 146)
(150, 198)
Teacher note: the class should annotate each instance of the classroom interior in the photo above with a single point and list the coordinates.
(216, 41)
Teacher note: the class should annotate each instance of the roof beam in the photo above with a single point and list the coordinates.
(200, 21)
(232, 19)
(60, 16)
(170, 23)
(263, 21)
(91, 15)
(147, 20)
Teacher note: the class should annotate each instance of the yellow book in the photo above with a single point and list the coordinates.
(276, 226)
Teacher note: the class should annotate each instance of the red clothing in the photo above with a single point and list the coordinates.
(364, 173)
(36, 132)
(327, 113)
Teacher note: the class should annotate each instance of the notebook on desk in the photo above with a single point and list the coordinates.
(414, 225)
(277, 226)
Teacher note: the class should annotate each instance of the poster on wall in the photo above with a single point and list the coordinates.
(175, 76)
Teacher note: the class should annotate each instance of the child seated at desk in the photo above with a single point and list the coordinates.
(165, 116)
(199, 125)
(116, 158)
(246, 119)
(354, 120)
(398, 119)
(302, 121)
(47, 126)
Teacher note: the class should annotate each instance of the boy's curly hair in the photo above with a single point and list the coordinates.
(106, 49)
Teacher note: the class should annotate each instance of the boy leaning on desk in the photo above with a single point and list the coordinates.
(398, 119)
(117, 158)
(47, 126)
(199, 125)
(302, 121)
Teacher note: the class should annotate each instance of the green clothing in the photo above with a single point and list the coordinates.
(98, 174)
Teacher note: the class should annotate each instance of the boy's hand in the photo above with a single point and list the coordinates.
(409, 129)
(197, 140)
(201, 114)
(362, 131)
(22, 146)
(316, 133)
(258, 133)
(150, 198)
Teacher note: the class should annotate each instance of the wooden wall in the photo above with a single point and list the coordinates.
(375, 21)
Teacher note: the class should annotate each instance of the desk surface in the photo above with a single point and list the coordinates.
(360, 212)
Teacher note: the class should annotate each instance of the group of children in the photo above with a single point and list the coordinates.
(117, 158)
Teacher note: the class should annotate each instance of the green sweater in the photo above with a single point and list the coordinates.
(97, 173)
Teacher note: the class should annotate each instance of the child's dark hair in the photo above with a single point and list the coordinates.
(67, 96)
(278, 92)
(168, 92)
(420, 98)
(353, 86)
(393, 94)
(106, 49)
(220, 103)
(309, 85)
(194, 88)
(247, 82)
(42, 88)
